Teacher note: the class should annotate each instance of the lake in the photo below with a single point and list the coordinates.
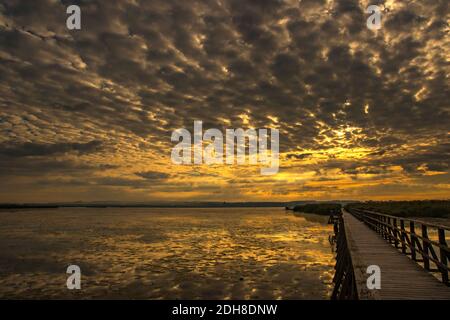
(141, 253)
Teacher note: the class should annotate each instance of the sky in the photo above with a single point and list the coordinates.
(87, 115)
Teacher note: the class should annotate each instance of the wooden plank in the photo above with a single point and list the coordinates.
(401, 277)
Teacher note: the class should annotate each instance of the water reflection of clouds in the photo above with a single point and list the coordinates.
(168, 254)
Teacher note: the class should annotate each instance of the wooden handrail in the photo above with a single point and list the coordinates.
(344, 277)
(394, 230)
(405, 219)
(426, 239)
(423, 253)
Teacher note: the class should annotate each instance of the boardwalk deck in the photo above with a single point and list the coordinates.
(401, 278)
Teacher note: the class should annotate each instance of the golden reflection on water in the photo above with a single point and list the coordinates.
(220, 253)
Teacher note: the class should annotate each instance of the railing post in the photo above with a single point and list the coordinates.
(426, 260)
(443, 254)
(387, 222)
(413, 240)
(403, 233)
(380, 226)
(396, 233)
(389, 229)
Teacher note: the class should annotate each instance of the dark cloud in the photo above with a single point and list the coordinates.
(41, 149)
(152, 175)
(348, 98)
(299, 156)
(32, 168)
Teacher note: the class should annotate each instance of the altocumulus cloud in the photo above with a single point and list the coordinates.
(354, 107)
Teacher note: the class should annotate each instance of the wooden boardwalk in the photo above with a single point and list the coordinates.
(401, 277)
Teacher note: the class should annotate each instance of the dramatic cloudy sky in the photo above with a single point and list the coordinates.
(88, 115)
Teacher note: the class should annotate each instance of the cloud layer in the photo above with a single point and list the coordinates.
(88, 115)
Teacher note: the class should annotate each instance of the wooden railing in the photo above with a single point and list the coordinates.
(423, 242)
(344, 276)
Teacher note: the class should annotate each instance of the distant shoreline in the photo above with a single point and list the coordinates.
(183, 205)
(194, 204)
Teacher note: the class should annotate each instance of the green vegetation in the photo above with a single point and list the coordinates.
(427, 208)
(319, 208)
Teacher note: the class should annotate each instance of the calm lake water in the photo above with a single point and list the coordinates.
(223, 253)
